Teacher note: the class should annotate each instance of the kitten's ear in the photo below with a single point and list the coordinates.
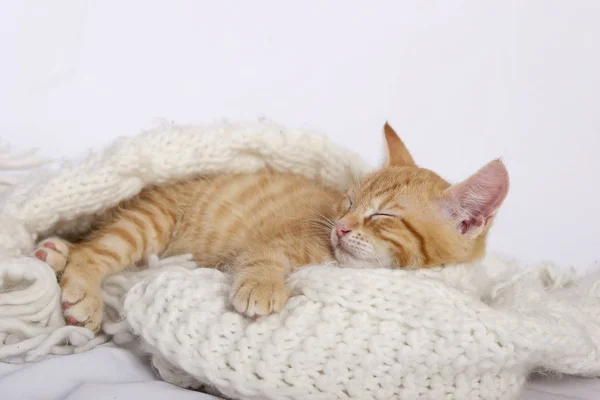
(472, 204)
(397, 153)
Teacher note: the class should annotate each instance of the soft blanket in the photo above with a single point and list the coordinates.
(462, 332)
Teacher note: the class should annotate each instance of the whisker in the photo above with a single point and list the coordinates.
(327, 219)
(326, 224)
(319, 229)
(316, 223)
(321, 215)
(356, 177)
(374, 253)
(378, 260)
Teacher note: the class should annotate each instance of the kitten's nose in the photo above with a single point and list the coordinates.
(341, 230)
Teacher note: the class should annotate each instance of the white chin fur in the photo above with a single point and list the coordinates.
(347, 260)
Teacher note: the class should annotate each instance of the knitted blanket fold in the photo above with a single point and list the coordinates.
(465, 331)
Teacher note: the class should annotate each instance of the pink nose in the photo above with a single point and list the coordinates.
(341, 230)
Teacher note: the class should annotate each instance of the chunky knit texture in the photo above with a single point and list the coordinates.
(462, 332)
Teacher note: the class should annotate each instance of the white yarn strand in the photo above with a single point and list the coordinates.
(16, 163)
(461, 332)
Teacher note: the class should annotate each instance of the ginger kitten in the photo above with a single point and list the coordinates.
(261, 227)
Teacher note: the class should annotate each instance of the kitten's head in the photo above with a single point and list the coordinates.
(409, 217)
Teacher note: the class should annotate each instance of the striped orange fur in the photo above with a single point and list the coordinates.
(261, 227)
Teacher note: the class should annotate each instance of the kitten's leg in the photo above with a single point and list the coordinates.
(142, 227)
(259, 282)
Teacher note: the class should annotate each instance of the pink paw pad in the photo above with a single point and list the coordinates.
(73, 321)
(41, 254)
(66, 304)
(50, 245)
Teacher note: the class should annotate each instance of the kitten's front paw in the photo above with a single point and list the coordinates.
(81, 300)
(255, 298)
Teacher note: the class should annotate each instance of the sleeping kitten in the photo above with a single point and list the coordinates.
(261, 227)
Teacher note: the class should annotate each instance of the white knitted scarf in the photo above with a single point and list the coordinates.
(465, 331)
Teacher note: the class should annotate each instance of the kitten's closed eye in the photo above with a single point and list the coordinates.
(349, 202)
(384, 214)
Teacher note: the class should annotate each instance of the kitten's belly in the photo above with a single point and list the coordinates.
(228, 214)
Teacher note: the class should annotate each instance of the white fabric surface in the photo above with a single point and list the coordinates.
(109, 372)
(106, 372)
(465, 331)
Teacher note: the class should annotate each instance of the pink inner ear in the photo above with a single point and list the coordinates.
(474, 201)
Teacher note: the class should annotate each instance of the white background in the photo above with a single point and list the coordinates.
(462, 81)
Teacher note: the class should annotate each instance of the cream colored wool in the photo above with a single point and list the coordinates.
(462, 332)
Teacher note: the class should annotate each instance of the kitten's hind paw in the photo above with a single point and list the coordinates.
(54, 252)
(81, 301)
